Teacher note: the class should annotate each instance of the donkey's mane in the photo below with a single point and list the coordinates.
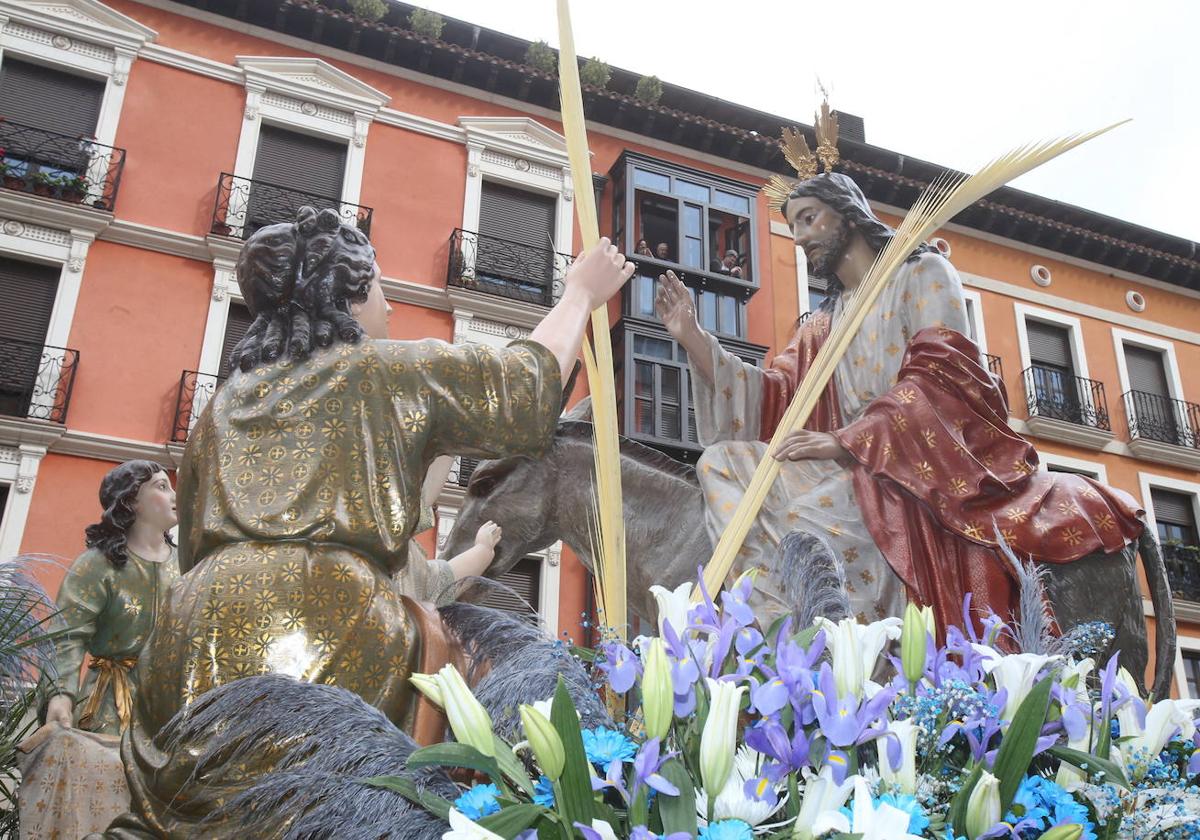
(644, 455)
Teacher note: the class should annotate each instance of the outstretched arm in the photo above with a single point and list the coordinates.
(674, 306)
(595, 277)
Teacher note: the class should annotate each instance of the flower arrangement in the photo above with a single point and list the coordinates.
(733, 732)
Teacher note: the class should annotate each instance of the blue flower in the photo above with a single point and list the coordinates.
(727, 830)
(917, 819)
(479, 801)
(604, 746)
(543, 792)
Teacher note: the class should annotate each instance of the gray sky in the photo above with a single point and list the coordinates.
(955, 83)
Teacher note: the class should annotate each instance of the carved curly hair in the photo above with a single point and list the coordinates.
(299, 279)
(118, 490)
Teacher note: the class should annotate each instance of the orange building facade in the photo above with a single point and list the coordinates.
(204, 119)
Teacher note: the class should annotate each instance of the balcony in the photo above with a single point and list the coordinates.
(994, 365)
(506, 269)
(36, 380)
(244, 205)
(1163, 429)
(1067, 408)
(77, 170)
(195, 390)
(1183, 570)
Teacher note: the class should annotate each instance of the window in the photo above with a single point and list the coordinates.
(515, 245)
(1175, 518)
(49, 99)
(28, 291)
(236, 324)
(1052, 371)
(1191, 672)
(4, 506)
(525, 580)
(658, 407)
(291, 170)
(1060, 468)
(1153, 413)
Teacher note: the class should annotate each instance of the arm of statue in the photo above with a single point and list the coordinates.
(593, 278)
(475, 560)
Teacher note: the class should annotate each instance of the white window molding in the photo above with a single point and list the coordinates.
(1048, 427)
(80, 36)
(523, 153)
(548, 578)
(18, 469)
(975, 316)
(1145, 448)
(1052, 459)
(311, 96)
(1182, 643)
(1184, 610)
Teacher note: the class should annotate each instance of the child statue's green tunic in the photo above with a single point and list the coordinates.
(300, 488)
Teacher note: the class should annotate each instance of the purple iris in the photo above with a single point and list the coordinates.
(846, 721)
(645, 770)
(771, 739)
(621, 666)
(979, 733)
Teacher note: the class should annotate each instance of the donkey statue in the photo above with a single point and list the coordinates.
(540, 501)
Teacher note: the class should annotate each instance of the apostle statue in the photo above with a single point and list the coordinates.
(72, 779)
(907, 468)
(301, 487)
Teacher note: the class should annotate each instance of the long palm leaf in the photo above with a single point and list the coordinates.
(943, 200)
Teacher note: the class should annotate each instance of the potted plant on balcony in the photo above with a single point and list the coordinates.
(72, 187)
(12, 174)
(44, 183)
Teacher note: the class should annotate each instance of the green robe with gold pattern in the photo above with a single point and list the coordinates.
(300, 488)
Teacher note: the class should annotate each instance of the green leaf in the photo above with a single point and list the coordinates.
(511, 767)
(453, 754)
(432, 803)
(575, 783)
(1090, 764)
(678, 813)
(957, 816)
(1016, 750)
(511, 821)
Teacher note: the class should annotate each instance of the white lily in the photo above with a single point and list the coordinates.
(885, 822)
(732, 802)
(718, 741)
(821, 795)
(1163, 719)
(469, 721)
(1015, 672)
(463, 828)
(855, 649)
(905, 778)
(673, 606)
(1130, 715)
(983, 806)
(604, 830)
(1070, 777)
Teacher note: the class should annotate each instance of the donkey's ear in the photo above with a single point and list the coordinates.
(570, 386)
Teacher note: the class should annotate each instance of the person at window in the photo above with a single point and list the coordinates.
(729, 264)
(73, 781)
(907, 459)
(300, 489)
(642, 249)
(663, 251)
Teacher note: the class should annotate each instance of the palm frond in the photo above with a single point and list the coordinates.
(944, 199)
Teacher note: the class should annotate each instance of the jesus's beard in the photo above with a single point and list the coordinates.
(825, 255)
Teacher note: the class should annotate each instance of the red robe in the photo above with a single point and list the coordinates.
(938, 471)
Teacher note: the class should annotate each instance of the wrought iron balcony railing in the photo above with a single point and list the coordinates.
(195, 390)
(244, 205)
(1051, 393)
(1183, 570)
(36, 380)
(993, 364)
(1155, 417)
(74, 169)
(508, 269)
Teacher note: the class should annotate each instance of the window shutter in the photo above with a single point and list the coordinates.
(525, 579)
(517, 215)
(49, 99)
(466, 467)
(300, 162)
(236, 324)
(1175, 508)
(28, 291)
(1049, 344)
(1146, 370)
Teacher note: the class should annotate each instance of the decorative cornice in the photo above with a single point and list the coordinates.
(152, 238)
(421, 125)
(88, 20)
(1072, 433)
(416, 294)
(1165, 453)
(519, 137)
(495, 308)
(110, 448)
(193, 63)
(17, 430)
(312, 80)
(56, 214)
